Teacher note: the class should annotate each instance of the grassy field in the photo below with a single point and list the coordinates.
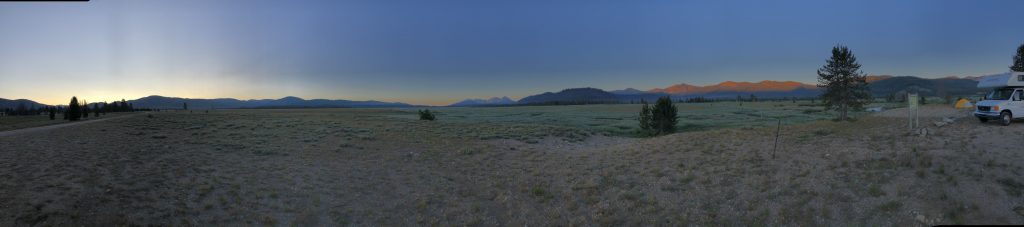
(620, 119)
(20, 122)
(310, 167)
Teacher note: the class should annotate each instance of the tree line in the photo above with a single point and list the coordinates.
(75, 110)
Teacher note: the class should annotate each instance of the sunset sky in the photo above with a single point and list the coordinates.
(440, 51)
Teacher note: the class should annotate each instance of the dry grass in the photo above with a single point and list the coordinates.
(19, 122)
(368, 167)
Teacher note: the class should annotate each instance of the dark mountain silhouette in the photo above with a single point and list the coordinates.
(627, 91)
(726, 90)
(900, 85)
(160, 102)
(873, 78)
(768, 86)
(493, 101)
(880, 86)
(572, 96)
(12, 104)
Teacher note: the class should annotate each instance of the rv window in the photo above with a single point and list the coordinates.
(1020, 77)
(1000, 94)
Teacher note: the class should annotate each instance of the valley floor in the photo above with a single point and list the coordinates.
(367, 167)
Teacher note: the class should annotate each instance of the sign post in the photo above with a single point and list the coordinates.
(912, 100)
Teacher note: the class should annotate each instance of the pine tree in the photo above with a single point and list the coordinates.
(184, 106)
(53, 113)
(85, 109)
(74, 111)
(21, 110)
(664, 116)
(1018, 60)
(96, 109)
(645, 117)
(845, 86)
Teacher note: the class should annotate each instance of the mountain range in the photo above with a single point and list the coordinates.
(493, 101)
(880, 86)
(160, 102)
(13, 104)
(572, 96)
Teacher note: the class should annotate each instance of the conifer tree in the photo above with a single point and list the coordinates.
(96, 109)
(74, 111)
(1018, 60)
(846, 87)
(664, 116)
(53, 113)
(85, 109)
(645, 117)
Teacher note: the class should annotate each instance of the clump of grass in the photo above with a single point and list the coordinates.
(537, 191)
(875, 191)
(891, 206)
(956, 213)
(822, 132)
(1011, 186)
(469, 151)
(812, 111)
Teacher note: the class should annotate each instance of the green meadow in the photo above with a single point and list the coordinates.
(620, 119)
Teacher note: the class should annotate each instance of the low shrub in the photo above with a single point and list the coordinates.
(426, 115)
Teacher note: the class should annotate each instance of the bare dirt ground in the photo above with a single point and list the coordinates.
(357, 167)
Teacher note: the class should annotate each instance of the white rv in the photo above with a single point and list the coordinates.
(1005, 102)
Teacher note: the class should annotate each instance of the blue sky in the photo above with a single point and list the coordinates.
(438, 52)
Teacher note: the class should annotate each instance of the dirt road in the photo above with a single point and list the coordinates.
(51, 127)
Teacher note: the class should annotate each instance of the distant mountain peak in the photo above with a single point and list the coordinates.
(627, 91)
(504, 100)
(572, 95)
(873, 78)
(734, 86)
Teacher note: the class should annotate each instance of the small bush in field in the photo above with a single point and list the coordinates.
(426, 115)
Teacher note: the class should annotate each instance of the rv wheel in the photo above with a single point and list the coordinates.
(1006, 117)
